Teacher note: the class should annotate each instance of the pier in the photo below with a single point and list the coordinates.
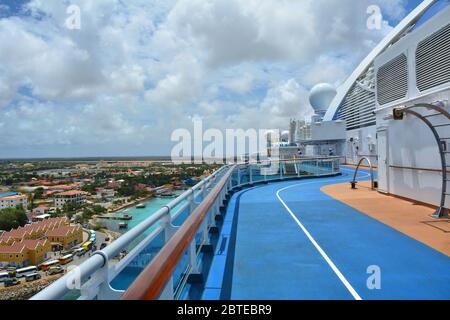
(123, 218)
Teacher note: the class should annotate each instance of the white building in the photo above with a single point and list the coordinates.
(327, 138)
(41, 210)
(12, 200)
(72, 196)
(107, 193)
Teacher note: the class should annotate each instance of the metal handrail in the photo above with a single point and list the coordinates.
(267, 161)
(101, 257)
(442, 211)
(151, 282)
(354, 182)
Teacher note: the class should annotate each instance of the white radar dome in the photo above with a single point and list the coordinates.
(320, 97)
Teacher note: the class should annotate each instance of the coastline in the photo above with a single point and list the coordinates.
(112, 232)
(132, 203)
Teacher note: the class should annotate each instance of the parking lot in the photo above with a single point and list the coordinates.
(76, 256)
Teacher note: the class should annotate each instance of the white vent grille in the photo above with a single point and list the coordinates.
(358, 108)
(433, 60)
(392, 80)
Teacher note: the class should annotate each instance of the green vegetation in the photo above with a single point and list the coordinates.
(140, 194)
(88, 212)
(12, 218)
(91, 187)
(38, 193)
(30, 201)
(56, 213)
(71, 208)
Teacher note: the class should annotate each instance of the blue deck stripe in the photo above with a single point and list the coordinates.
(231, 248)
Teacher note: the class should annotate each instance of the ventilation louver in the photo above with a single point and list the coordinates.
(433, 60)
(392, 80)
(358, 108)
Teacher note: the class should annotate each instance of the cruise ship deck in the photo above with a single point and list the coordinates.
(273, 231)
(282, 220)
(289, 240)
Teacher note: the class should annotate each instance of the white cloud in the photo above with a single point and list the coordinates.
(139, 69)
(326, 68)
(287, 100)
(181, 84)
(232, 31)
(240, 84)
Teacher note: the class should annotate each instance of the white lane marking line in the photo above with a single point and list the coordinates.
(341, 277)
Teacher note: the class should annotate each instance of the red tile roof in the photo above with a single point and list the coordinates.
(18, 247)
(21, 232)
(72, 193)
(62, 231)
(33, 244)
(64, 186)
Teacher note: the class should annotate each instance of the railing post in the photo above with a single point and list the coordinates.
(167, 293)
(106, 292)
(251, 173)
(192, 203)
(193, 257)
(222, 195)
(227, 187)
(219, 197)
(215, 210)
(203, 191)
(281, 170)
(239, 175)
(205, 233)
(98, 285)
(166, 223)
(89, 290)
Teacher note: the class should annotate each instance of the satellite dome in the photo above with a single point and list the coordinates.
(285, 136)
(320, 97)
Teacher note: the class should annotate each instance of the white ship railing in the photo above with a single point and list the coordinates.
(92, 279)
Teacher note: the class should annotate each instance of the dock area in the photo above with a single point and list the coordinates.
(122, 218)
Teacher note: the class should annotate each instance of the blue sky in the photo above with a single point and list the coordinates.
(411, 4)
(138, 70)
